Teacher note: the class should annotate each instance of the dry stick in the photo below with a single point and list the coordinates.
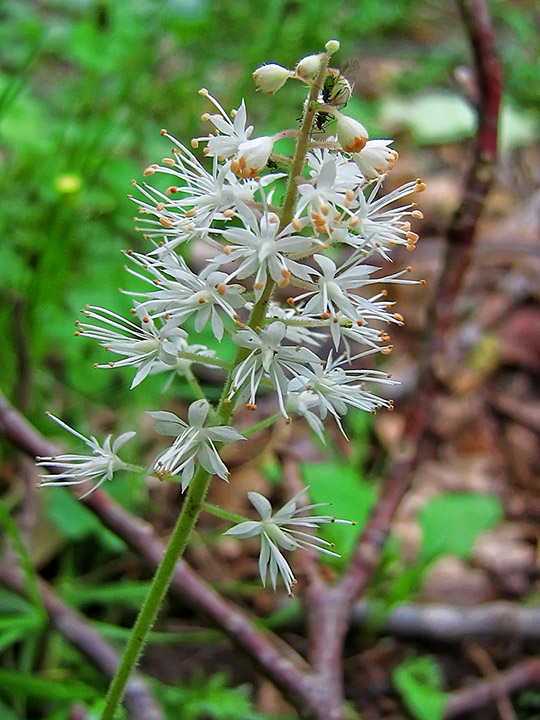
(138, 700)
(524, 674)
(275, 659)
(328, 607)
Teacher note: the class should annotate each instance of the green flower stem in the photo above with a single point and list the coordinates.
(194, 384)
(204, 359)
(223, 514)
(198, 486)
(261, 425)
(302, 144)
(160, 584)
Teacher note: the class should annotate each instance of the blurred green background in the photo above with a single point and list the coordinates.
(85, 87)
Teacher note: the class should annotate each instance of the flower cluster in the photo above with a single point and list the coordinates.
(73, 469)
(283, 278)
(283, 529)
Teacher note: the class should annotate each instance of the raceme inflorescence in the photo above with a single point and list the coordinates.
(291, 246)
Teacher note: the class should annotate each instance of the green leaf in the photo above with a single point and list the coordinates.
(437, 117)
(350, 497)
(129, 594)
(75, 521)
(25, 563)
(6, 713)
(432, 117)
(452, 522)
(210, 697)
(419, 683)
(22, 684)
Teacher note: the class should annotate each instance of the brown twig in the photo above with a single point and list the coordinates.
(328, 607)
(451, 623)
(523, 675)
(77, 630)
(484, 663)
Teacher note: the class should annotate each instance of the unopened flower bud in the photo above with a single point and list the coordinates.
(270, 78)
(332, 46)
(252, 156)
(308, 67)
(376, 158)
(352, 135)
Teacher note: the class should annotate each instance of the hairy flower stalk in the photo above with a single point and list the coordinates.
(258, 252)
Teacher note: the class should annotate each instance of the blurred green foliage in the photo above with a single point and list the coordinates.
(419, 682)
(85, 86)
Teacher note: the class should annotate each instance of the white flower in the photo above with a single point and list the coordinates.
(376, 226)
(142, 345)
(331, 295)
(332, 292)
(180, 293)
(194, 443)
(376, 158)
(231, 132)
(263, 250)
(268, 358)
(270, 78)
(344, 329)
(194, 199)
(338, 389)
(252, 156)
(283, 530)
(347, 173)
(78, 469)
(352, 135)
(321, 196)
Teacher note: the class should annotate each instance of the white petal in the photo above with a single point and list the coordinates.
(121, 439)
(198, 412)
(261, 504)
(224, 434)
(246, 529)
(168, 423)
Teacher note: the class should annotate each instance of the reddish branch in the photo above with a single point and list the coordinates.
(328, 607)
(525, 674)
(77, 630)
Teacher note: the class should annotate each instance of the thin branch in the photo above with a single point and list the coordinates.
(451, 623)
(78, 632)
(523, 675)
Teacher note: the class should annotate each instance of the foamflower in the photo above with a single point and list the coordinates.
(194, 443)
(268, 358)
(283, 530)
(76, 469)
